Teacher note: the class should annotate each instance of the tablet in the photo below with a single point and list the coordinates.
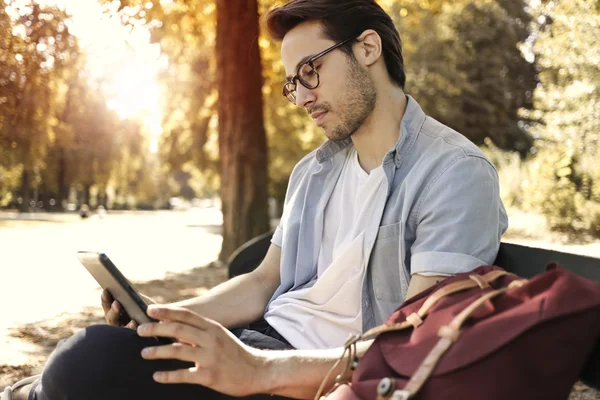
(109, 277)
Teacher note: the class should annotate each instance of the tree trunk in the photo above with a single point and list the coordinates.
(63, 187)
(103, 198)
(25, 191)
(242, 139)
(86, 194)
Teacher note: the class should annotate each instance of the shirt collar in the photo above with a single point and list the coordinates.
(413, 120)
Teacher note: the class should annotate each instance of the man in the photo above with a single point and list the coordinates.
(390, 205)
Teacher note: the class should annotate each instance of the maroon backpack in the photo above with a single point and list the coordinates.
(487, 334)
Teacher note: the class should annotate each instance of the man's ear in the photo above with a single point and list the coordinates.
(369, 47)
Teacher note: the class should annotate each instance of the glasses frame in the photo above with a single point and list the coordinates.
(291, 94)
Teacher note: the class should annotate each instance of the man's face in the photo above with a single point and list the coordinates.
(346, 94)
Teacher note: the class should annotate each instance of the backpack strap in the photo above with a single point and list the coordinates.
(448, 334)
(414, 320)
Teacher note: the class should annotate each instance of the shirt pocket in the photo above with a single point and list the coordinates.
(386, 264)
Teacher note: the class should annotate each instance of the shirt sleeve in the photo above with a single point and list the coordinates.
(293, 182)
(460, 220)
(277, 238)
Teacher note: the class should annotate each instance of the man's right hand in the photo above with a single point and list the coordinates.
(114, 313)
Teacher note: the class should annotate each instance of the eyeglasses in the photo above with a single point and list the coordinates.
(307, 74)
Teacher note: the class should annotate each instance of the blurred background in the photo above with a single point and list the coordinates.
(156, 131)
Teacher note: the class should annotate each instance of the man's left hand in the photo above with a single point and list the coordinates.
(219, 358)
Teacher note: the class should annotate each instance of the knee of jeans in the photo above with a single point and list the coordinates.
(90, 358)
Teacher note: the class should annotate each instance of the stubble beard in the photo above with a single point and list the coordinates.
(360, 96)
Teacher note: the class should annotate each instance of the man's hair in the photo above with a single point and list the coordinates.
(342, 20)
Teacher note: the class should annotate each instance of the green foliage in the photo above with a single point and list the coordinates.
(549, 188)
(9, 180)
(593, 213)
(465, 65)
(36, 49)
(564, 177)
(188, 146)
(56, 131)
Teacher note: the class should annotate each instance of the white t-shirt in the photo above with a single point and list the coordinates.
(323, 313)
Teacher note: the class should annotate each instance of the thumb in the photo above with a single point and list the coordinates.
(132, 325)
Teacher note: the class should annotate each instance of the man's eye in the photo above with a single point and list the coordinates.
(311, 71)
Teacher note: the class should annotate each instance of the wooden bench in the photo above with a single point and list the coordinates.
(521, 260)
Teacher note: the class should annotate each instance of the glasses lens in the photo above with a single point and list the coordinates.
(308, 76)
(289, 91)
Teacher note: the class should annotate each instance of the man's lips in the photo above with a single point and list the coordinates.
(318, 116)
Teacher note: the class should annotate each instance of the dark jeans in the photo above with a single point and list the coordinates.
(104, 362)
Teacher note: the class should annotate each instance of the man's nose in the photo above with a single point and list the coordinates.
(304, 96)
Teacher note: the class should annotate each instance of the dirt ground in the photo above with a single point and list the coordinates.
(30, 330)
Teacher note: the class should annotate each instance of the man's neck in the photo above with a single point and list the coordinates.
(381, 130)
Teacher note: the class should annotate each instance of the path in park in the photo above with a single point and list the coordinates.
(42, 278)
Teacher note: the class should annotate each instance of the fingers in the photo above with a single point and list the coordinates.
(115, 314)
(112, 309)
(176, 330)
(191, 375)
(132, 325)
(169, 313)
(106, 300)
(176, 351)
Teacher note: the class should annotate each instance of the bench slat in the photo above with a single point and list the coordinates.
(529, 261)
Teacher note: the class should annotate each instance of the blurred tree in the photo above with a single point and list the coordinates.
(187, 34)
(10, 170)
(465, 65)
(564, 179)
(242, 141)
(189, 144)
(56, 131)
(97, 147)
(131, 172)
(37, 48)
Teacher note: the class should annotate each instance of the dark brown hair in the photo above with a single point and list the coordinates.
(342, 20)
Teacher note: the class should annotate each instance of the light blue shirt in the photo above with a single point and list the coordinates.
(438, 213)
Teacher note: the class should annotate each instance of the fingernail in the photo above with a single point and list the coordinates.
(115, 306)
(153, 311)
(142, 329)
(146, 352)
(156, 376)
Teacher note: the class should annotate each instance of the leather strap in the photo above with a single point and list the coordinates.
(482, 283)
(414, 319)
(432, 301)
(448, 335)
